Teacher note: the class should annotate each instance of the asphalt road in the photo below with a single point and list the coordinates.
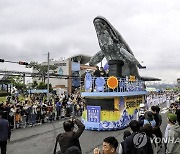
(41, 139)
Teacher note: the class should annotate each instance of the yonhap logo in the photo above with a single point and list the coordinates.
(140, 140)
(165, 140)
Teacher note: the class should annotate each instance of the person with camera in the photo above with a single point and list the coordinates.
(70, 137)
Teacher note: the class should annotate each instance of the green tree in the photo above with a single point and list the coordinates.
(17, 81)
(34, 84)
(42, 69)
(42, 85)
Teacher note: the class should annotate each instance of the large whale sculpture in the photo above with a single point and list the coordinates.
(114, 47)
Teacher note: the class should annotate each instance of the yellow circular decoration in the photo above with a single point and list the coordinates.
(112, 82)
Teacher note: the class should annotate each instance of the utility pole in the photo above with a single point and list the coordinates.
(48, 80)
(23, 83)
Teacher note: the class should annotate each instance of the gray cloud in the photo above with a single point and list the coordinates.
(30, 29)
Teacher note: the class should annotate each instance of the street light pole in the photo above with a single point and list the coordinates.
(24, 83)
(48, 80)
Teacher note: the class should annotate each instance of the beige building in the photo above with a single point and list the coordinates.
(63, 69)
(67, 68)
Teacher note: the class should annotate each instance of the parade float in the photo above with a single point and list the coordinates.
(113, 101)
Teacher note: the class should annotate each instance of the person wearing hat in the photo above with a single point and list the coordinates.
(173, 142)
(149, 119)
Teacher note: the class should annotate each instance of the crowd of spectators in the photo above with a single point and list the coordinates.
(35, 109)
(146, 136)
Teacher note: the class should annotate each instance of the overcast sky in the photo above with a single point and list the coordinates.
(31, 29)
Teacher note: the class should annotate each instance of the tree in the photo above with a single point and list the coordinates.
(42, 85)
(34, 84)
(17, 81)
(42, 69)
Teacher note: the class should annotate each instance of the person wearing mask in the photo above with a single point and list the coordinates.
(109, 146)
(5, 133)
(70, 137)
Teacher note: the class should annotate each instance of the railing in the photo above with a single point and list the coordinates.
(95, 84)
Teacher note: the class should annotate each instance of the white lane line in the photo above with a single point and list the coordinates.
(164, 111)
(164, 108)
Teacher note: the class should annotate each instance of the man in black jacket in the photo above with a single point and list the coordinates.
(155, 115)
(70, 138)
(5, 133)
(137, 143)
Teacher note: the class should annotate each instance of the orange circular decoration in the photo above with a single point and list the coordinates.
(112, 82)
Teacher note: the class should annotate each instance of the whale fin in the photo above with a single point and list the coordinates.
(150, 79)
(98, 57)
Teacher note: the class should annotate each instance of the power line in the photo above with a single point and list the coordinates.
(29, 74)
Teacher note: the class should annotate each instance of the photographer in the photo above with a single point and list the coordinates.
(70, 137)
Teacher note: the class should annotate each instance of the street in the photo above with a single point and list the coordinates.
(41, 139)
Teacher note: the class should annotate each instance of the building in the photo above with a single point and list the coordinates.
(68, 72)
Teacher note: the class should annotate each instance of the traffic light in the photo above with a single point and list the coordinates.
(2, 60)
(23, 63)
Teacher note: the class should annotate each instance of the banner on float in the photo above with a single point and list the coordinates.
(132, 103)
(93, 113)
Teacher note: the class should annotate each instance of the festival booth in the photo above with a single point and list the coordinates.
(111, 102)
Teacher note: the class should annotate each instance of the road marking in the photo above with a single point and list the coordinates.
(164, 111)
(164, 108)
